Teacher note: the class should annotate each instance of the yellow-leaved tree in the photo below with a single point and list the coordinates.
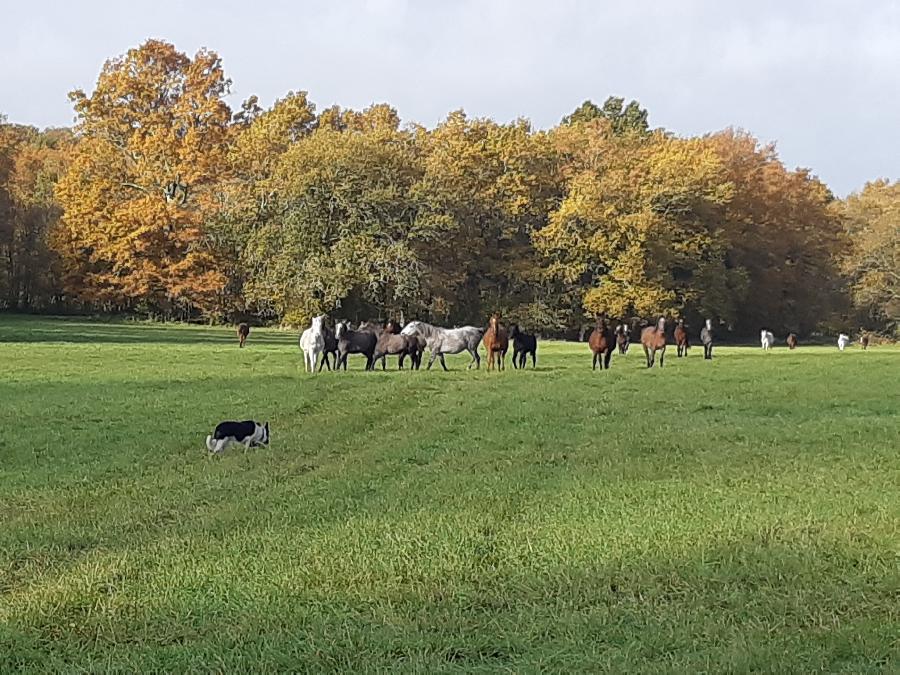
(152, 143)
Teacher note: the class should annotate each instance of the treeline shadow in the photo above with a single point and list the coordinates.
(19, 329)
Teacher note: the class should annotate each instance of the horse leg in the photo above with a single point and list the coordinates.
(594, 365)
(533, 359)
(515, 359)
(662, 356)
(443, 363)
(608, 357)
(431, 360)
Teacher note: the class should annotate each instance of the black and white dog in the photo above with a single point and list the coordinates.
(247, 432)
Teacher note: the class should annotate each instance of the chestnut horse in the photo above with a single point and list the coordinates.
(792, 341)
(653, 339)
(602, 343)
(243, 330)
(682, 344)
(496, 342)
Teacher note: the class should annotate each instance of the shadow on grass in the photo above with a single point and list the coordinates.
(754, 605)
(25, 329)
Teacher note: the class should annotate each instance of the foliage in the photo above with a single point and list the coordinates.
(873, 260)
(171, 203)
(153, 140)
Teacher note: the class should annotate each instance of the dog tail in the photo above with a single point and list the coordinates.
(210, 444)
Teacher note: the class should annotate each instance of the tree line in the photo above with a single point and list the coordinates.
(164, 201)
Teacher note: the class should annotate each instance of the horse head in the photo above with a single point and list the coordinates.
(514, 331)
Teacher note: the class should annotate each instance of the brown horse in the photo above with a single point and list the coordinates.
(243, 330)
(792, 341)
(653, 339)
(682, 343)
(496, 342)
(602, 343)
(391, 342)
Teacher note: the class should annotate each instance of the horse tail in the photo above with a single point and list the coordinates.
(210, 444)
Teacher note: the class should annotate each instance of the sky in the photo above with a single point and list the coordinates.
(821, 79)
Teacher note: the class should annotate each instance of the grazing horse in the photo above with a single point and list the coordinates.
(653, 339)
(447, 341)
(766, 339)
(791, 340)
(623, 339)
(706, 337)
(523, 345)
(391, 342)
(682, 343)
(602, 342)
(312, 342)
(843, 341)
(243, 331)
(354, 342)
(496, 342)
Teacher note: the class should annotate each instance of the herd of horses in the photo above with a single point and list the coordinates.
(323, 347)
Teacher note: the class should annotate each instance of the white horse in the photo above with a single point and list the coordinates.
(843, 341)
(312, 342)
(447, 341)
(766, 339)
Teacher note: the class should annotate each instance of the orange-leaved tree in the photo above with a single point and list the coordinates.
(152, 142)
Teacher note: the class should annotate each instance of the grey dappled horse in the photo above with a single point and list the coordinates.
(447, 340)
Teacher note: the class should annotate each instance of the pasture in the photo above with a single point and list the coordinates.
(735, 515)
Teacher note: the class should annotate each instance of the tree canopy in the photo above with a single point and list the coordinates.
(163, 200)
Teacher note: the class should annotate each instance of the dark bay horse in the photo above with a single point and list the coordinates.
(682, 343)
(243, 331)
(523, 345)
(602, 342)
(496, 342)
(653, 339)
(791, 340)
(331, 347)
(354, 342)
(623, 338)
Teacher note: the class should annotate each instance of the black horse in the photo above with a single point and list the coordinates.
(351, 341)
(523, 345)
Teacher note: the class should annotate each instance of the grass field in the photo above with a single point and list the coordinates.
(739, 515)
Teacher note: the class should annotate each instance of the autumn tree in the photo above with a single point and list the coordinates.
(341, 236)
(485, 190)
(153, 142)
(31, 163)
(633, 231)
(783, 232)
(872, 261)
(622, 118)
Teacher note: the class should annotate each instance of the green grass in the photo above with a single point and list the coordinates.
(740, 515)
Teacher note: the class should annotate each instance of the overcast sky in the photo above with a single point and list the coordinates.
(822, 79)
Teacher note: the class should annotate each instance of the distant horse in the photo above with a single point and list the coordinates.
(354, 342)
(653, 339)
(682, 343)
(706, 337)
(391, 342)
(243, 331)
(766, 339)
(602, 342)
(864, 341)
(312, 342)
(791, 340)
(447, 341)
(496, 342)
(843, 341)
(623, 339)
(523, 345)
(418, 342)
